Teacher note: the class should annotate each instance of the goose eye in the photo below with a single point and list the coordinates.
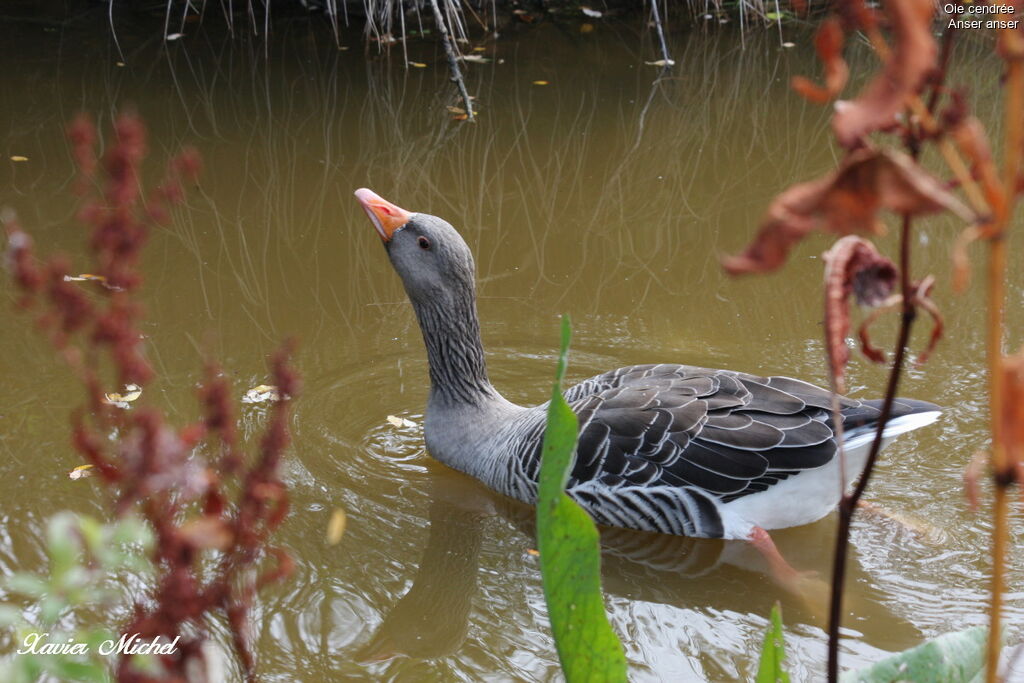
(424, 243)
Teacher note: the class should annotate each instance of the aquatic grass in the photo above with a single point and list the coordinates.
(772, 666)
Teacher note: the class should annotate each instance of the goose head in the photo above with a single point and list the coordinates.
(426, 251)
(437, 270)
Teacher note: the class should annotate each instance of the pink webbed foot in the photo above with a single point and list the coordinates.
(806, 585)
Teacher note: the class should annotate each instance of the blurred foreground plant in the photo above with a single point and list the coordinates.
(86, 559)
(909, 98)
(211, 509)
(570, 553)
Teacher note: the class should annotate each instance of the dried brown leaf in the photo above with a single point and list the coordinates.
(961, 261)
(911, 60)
(845, 201)
(874, 353)
(828, 43)
(852, 266)
(921, 298)
(970, 136)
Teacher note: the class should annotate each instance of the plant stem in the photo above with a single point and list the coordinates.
(1014, 109)
(848, 503)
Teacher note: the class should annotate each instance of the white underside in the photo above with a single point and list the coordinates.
(810, 495)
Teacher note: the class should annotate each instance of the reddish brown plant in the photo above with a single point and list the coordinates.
(852, 267)
(216, 514)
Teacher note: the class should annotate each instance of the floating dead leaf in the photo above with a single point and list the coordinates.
(418, 65)
(475, 59)
(586, 28)
(592, 13)
(80, 472)
(460, 117)
(533, 552)
(89, 277)
(131, 392)
(262, 394)
(828, 43)
(119, 63)
(911, 60)
(206, 532)
(479, 48)
(788, 45)
(455, 110)
(85, 277)
(336, 527)
(343, 47)
(843, 202)
(17, 157)
(174, 36)
(541, 83)
(662, 62)
(852, 266)
(400, 421)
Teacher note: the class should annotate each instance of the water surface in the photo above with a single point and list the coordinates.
(608, 194)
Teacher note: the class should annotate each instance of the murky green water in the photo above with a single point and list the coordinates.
(609, 195)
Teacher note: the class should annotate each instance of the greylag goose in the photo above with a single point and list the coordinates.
(667, 448)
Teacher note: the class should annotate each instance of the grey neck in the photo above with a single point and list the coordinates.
(451, 333)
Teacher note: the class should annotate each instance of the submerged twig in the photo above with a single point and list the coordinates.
(661, 34)
(453, 59)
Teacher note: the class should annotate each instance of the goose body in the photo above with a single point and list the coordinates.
(668, 448)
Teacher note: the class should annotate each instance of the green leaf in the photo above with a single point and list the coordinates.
(774, 16)
(950, 658)
(10, 616)
(773, 651)
(62, 545)
(51, 607)
(92, 533)
(28, 585)
(570, 560)
(133, 530)
(68, 669)
(28, 667)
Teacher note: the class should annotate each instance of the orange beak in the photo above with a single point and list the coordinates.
(385, 216)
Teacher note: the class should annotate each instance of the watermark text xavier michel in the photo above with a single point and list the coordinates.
(980, 15)
(39, 644)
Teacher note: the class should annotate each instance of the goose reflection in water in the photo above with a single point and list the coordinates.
(432, 620)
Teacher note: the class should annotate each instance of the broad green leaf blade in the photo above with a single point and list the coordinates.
(570, 559)
(773, 651)
(950, 658)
